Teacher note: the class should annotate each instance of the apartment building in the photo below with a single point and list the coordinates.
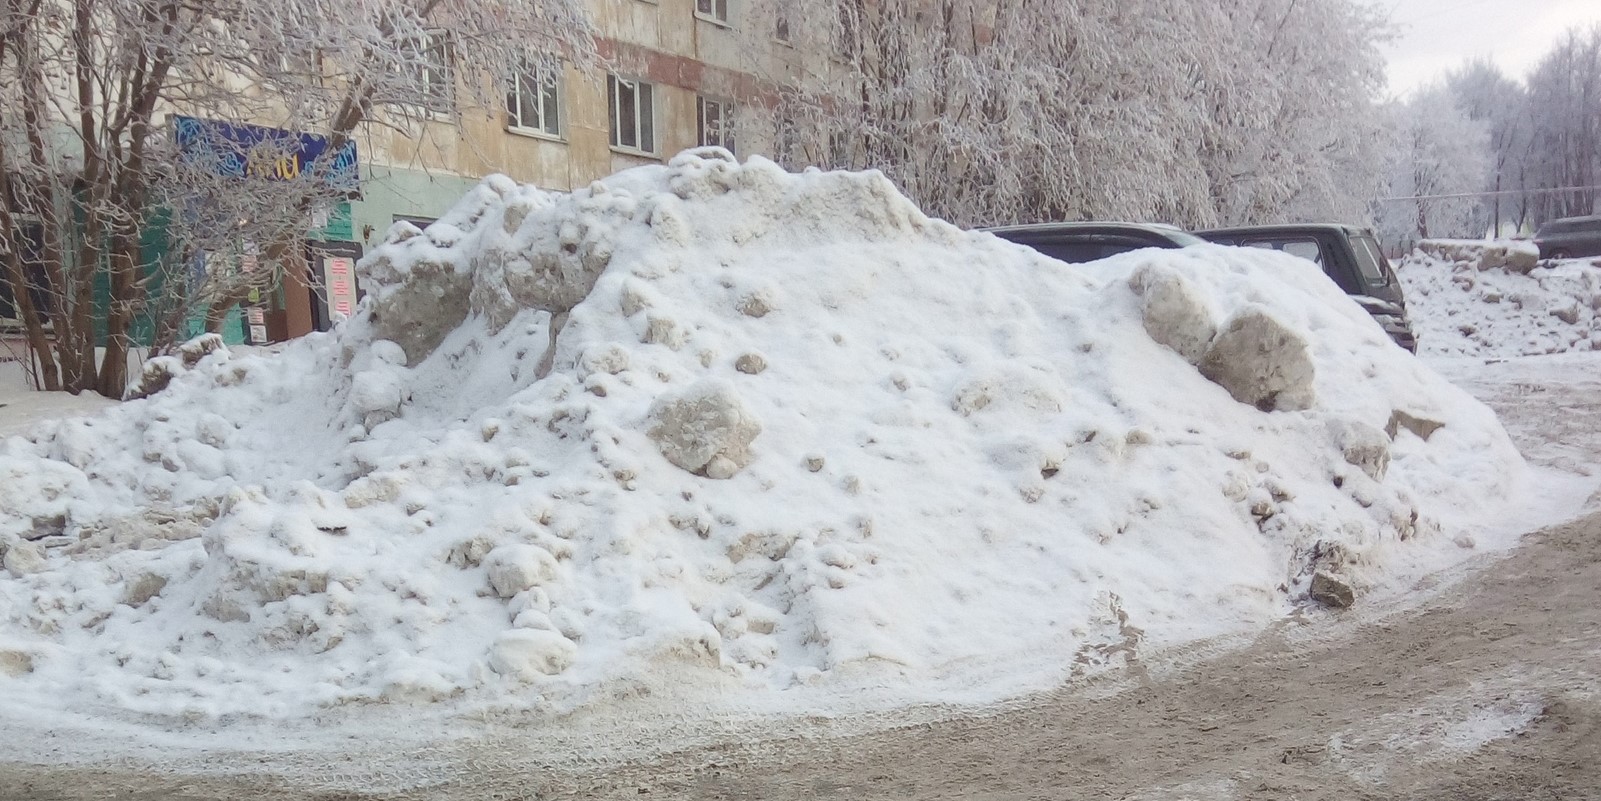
(673, 74)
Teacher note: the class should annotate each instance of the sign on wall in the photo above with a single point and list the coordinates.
(256, 152)
(256, 320)
(339, 276)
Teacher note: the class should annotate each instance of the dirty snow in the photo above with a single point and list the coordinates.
(1468, 298)
(568, 482)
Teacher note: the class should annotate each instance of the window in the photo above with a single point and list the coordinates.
(715, 121)
(1306, 250)
(421, 222)
(533, 102)
(1301, 248)
(785, 140)
(712, 10)
(839, 150)
(425, 63)
(847, 32)
(633, 120)
(300, 63)
(28, 238)
(1370, 260)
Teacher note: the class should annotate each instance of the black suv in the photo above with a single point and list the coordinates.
(1569, 237)
(1347, 254)
(1080, 242)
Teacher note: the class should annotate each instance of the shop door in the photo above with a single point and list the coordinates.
(335, 289)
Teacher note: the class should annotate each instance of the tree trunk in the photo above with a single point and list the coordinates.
(113, 378)
(78, 335)
(42, 202)
(17, 277)
(22, 297)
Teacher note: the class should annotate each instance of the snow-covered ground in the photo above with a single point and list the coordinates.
(1464, 304)
(22, 408)
(776, 441)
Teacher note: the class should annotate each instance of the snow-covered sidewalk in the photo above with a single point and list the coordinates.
(21, 408)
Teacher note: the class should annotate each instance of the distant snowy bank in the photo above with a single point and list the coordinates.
(1496, 299)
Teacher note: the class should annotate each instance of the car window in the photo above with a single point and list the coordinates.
(1113, 248)
(1370, 260)
(1183, 239)
(1071, 252)
(1304, 248)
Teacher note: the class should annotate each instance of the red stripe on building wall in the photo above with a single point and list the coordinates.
(660, 67)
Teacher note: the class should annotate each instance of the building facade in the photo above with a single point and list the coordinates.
(672, 74)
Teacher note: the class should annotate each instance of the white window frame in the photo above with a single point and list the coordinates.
(437, 102)
(309, 71)
(643, 124)
(533, 78)
(724, 136)
(716, 12)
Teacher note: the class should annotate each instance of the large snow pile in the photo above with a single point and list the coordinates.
(770, 429)
(1495, 299)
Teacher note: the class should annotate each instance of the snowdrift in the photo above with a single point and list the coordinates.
(1496, 300)
(729, 425)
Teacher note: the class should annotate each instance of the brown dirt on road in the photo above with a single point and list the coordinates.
(1393, 709)
(1489, 691)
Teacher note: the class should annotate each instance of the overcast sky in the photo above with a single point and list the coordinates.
(1438, 35)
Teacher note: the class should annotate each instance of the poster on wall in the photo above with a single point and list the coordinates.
(339, 276)
(256, 153)
(256, 325)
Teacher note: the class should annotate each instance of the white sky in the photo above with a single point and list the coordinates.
(1438, 35)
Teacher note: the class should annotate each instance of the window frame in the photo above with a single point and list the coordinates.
(726, 20)
(726, 110)
(436, 106)
(514, 122)
(1362, 243)
(645, 122)
(781, 27)
(1278, 243)
(29, 239)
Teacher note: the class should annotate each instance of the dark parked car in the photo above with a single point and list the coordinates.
(1569, 237)
(1079, 242)
(1347, 254)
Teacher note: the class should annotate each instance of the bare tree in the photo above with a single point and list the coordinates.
(90, 166)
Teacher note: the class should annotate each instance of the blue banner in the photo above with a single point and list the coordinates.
(256, 152)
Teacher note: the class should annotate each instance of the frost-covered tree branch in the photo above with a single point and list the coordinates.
(997, 111)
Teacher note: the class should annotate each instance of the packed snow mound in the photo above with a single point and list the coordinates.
(767, 428)
(1508, 255)
(1493, 299)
